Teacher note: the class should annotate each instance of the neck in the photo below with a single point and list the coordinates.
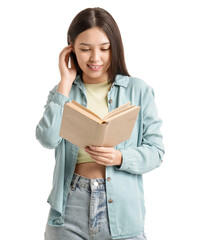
(89, 80)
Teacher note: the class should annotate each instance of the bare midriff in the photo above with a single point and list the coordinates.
(90, 170)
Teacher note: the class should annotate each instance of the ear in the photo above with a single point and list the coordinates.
(73, 48)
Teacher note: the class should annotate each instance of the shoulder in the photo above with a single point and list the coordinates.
(138, 83)
(134, 82)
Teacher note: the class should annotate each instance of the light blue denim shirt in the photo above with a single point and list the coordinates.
(141, 153)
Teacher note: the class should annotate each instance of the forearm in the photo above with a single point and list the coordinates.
(64, 87)
(149, 152)
(141, 159)
(47, 130)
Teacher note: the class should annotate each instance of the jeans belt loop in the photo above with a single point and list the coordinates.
(73, 187)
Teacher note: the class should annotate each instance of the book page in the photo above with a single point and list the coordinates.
(117, 110)
(118, 113)
(120, 127)
(84, 111)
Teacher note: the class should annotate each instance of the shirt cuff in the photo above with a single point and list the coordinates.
(125, 164)
(60, 99)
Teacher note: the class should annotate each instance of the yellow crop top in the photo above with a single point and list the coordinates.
(96, 102)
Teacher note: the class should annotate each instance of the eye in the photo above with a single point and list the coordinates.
(105, 49)
(84, 50)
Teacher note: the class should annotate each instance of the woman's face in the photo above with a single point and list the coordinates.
(93, 53)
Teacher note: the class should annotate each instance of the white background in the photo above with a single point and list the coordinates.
(160, 41)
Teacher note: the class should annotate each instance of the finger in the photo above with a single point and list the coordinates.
(101, 163)
(105, 163)
(97, 153)
(100, 157)
(102, 149)
(65, 51)
(68, 46)
(72, 64)
(65, 56)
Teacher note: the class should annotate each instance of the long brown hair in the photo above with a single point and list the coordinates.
(98, 17)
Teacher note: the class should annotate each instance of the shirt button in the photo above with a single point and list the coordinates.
(96, 184)
(110, 101)
(110, 201)
(108, 179)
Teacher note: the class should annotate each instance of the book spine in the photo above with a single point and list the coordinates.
(101, 133)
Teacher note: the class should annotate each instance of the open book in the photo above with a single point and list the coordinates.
(83, 127)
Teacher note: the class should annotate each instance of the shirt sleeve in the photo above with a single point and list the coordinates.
(148, 156)
(47, 130)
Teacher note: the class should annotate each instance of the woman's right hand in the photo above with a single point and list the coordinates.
(68, 74)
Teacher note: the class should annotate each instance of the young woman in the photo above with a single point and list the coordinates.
(98, 191)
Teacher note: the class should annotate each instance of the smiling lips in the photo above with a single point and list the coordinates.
(95, 67)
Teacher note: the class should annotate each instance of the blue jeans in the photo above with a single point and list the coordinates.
(86, 214)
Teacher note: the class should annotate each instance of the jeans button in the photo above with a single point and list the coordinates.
(96, 184)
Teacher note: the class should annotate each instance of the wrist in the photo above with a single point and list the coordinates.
(119, 158)
(64, 87)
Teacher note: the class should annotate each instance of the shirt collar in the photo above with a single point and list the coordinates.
(120, 80)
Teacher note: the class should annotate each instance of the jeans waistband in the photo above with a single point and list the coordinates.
(87, 183)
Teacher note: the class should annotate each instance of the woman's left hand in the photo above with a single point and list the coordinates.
(107, 156)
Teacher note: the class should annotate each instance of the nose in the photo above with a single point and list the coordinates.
(95, 55)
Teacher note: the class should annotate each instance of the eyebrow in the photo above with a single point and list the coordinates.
(86, 44)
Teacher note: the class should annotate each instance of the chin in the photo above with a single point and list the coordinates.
(94, 74)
